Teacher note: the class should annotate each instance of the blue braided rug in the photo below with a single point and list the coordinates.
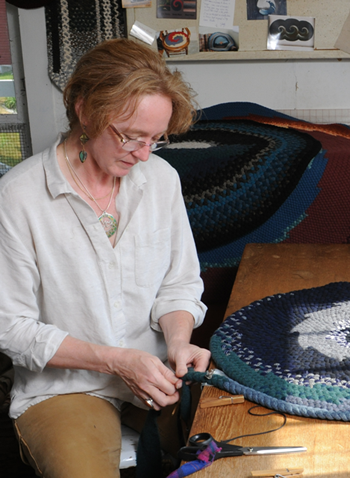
(290, 352)
(236, 174)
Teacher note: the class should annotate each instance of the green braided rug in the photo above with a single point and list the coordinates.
(289, 352)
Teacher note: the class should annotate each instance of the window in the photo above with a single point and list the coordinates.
(14, 128)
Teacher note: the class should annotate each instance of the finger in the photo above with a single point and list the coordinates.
(165, 381)
(161, 386)
(169, 375)
(201, 363)
(160, 400)
(181, 370)
(182, 363)
(152, 403)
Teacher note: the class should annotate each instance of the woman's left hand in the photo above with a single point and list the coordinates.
(183, 355)
(177, 328)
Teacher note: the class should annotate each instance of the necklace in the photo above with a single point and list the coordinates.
(73, 174)
(108, 221)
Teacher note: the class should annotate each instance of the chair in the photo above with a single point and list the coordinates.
(130, 439)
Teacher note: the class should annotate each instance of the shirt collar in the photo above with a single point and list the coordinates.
(57, 183)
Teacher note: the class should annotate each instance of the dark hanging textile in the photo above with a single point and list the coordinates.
(29, 4)
(74, 27)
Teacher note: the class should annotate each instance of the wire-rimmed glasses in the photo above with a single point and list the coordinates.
(134, 145)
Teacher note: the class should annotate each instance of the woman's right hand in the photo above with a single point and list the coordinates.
(146, 376)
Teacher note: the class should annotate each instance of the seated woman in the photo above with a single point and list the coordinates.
(101, 282)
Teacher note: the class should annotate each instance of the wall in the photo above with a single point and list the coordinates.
(282, 85)
(5, 55)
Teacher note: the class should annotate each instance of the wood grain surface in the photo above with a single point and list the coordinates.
(268, 269)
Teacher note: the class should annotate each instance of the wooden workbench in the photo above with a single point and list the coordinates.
(268, 269)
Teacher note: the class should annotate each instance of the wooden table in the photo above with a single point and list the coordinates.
(268, 269)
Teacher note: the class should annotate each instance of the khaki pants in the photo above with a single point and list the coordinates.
(78, 436)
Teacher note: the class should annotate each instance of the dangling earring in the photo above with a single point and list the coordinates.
(84, 138)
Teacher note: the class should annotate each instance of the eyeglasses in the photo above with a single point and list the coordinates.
(135, 145)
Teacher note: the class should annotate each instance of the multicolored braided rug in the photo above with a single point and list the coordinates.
(315, 211)
(290, 352)
(236, 174)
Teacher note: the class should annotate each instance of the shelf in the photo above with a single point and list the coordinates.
(329, 19)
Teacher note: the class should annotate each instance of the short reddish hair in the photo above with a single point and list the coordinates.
(116, 75)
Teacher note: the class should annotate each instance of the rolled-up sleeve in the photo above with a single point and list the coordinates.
(29, 342)
(182, 287)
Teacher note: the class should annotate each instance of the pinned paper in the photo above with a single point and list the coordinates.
(217, 13)
(143, 32)
(343, 42)
(136, 3)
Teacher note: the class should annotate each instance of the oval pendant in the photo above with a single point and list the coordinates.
(109, 223)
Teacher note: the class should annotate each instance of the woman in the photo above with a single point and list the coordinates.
(101, 277)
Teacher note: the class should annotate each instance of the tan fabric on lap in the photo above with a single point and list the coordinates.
(71, 436)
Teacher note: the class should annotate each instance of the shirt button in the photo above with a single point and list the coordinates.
(121, 343)
(111, 265)
(116, 304)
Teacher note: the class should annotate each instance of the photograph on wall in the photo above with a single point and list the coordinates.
(143, 32)
(211, 39)
(136, 3)
(291, 33)
(182, 41)
(261, 9)
(184, 9)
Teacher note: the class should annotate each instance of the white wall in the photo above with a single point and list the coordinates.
(280, 85)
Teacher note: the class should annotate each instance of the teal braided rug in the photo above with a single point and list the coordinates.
(290, 352)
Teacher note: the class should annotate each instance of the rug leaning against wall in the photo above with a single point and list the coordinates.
(75, 26)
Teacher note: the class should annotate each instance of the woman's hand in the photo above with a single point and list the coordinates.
(146, 376)
(177, 328)
(183, 355)
(142, 372)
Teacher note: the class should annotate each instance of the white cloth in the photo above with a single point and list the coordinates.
(60, 274)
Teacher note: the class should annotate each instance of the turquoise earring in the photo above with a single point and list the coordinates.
(84, 138)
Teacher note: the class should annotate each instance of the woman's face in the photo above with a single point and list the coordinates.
(148, 124)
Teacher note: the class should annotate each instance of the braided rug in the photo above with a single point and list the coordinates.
(75, 26)
(290, 352)
(316, 211)
(236, 174)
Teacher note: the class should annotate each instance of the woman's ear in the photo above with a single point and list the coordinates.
(79, 111)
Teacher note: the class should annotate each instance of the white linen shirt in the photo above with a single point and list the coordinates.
(60, 275)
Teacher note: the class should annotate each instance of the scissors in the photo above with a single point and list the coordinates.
(199, 442)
